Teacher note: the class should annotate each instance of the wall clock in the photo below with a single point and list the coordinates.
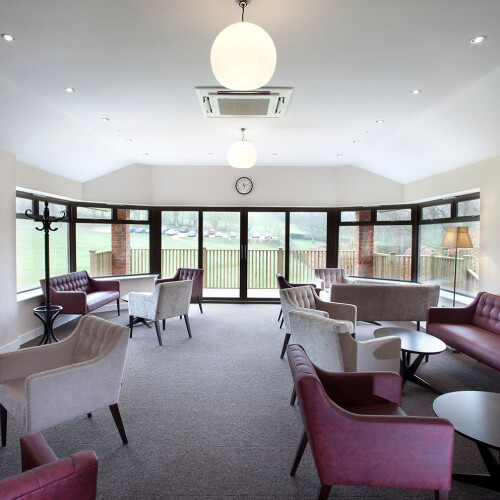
(244, 185)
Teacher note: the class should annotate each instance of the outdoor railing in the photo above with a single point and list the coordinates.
(222, 267)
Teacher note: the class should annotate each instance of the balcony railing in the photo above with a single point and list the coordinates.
(222, 267)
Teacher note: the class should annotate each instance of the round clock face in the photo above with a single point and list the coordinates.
(244, 185)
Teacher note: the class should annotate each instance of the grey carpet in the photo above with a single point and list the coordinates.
(209, 417)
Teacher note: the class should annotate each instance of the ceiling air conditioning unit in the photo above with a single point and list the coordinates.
(266, 102)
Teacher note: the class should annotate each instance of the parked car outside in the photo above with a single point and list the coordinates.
(232, 234)
(268, 237)
(255, 236)
(132, 229)
(191, 234)
(164, 229)
(218, 234)
(170, 232)
(183, 229)
(205, 234)
(211, 231)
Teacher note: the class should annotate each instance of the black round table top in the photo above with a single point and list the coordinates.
(474, 414)
(413, 340)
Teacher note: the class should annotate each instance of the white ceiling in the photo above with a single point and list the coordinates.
(350, 63)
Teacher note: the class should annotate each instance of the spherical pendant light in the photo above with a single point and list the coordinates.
(242, 154)
(243, 56)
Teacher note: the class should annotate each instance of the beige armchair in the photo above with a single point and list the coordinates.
(324, 277)
(169, 300)
(50, 384)
(330, 347)
(304, 298)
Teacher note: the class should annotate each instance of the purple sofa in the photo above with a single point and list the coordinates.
(78, 293)
(473, 330)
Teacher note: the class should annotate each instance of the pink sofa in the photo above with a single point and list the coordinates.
(473, 330)
(78, 293)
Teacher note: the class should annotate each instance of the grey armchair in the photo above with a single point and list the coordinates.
(325, 276)
(168, 300)
(304, 298)
(50, 384)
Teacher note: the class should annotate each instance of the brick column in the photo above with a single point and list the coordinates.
(120, 245)
(363, 253)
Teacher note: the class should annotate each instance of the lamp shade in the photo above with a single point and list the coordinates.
(457, 237)
(242, 154)
(243, 57)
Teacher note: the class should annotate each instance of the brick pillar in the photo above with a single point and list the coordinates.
(363, 253)
(120, 245)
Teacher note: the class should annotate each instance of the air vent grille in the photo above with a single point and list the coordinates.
(217, 102)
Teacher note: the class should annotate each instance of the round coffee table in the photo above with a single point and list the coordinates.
(475, 415)
(413, 342)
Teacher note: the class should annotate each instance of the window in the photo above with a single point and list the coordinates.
(468, 208)
(307, 245)
(30, 248)
(376, 251)
(356, 216)
(436, 212)
(394, 215)
(94, 213)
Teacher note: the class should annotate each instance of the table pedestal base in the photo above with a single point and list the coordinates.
(408, 370)
(47, 315)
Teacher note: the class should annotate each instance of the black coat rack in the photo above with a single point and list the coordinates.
(47, 312)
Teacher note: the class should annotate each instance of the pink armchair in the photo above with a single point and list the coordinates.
(45, 476)
(360, 436)
(186, 273)
(78, 293)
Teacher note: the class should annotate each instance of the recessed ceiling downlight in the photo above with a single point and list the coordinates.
(8, 37)
(70, 90)
(478, 39)
(415, 91)
(379, 122)
(105, 119)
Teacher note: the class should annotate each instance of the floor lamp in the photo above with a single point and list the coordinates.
(456, 237)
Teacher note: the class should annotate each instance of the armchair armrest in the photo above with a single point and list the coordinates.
(104, 285)
(25, 362)
(338, 310)
(353, 389)
(143, 305)
(381, 354)
(350, 281)
(35, 451)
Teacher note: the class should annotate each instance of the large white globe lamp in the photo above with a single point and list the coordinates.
(243, 56)
(242, 154)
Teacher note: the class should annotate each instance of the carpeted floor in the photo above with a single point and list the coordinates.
(209, 417)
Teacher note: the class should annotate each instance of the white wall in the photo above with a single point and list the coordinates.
(8, 327)
(214, 186)
(484, 175)
(32, 178)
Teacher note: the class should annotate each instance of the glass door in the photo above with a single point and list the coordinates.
(266, 253)
(221, 254)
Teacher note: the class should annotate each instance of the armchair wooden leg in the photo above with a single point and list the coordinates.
(186, 319)
(89, 415)
(285, 343)
(300, 451)
(131, 324)
(294, 397)
(418, 326)
(3, 420)
(279, 316)
(118, 306)
(282, 320)
(441, 494)
(164, 323)
(118, 421)
(158, 331)
(199, 303)
(324, 491)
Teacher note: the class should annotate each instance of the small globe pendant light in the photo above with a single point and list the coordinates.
(243, 56)
(242, 154)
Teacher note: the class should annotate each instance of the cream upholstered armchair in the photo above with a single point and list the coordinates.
(169, 300)
(324, 277)
(50, 384)
(304, 298)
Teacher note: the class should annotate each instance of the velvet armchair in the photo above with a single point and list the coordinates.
(46, 477)
(186, 273)
(360, 436)
(46, 385)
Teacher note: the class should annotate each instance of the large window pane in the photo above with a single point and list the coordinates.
(179, 241)
(30, 250)
(266, 253)
(112, 249)
(307, 245)
(376, 251)
(437, 264)
(221, 254)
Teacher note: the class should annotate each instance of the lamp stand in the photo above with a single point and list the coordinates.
(455, 276)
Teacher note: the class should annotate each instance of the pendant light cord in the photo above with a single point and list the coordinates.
(243, 11)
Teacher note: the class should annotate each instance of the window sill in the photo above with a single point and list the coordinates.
(31, 294)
